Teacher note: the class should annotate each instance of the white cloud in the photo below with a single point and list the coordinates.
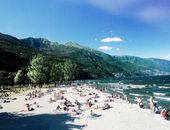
(112, 39)
(105, 48)
(117, 49)
(167, 57)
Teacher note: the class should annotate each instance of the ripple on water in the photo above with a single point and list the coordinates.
(163, 98)
(159, 94)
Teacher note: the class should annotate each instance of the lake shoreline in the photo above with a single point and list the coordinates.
(120, 115)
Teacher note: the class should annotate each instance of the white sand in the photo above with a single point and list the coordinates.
(122, 115)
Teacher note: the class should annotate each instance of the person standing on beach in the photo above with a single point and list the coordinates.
(1, 102)
(151, 104)
(139, 102)
(78, 104)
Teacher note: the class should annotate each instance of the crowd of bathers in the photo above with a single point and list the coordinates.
(165, 113)
(90, 102)
(34, 94)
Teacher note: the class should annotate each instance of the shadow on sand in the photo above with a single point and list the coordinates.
(11, 121)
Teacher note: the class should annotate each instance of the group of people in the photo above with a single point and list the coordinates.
(5, 94)
(90, 102)
(34, 94)
(66, 105)
(165, 113)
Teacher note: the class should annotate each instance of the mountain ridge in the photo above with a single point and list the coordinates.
(93, 63)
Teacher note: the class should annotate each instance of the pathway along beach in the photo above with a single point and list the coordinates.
(75, 108)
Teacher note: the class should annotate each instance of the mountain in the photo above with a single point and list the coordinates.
(92, 63)
(13, 53)
(16, 53)
(38, 43)
(149, 66)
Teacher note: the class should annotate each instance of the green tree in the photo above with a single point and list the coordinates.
(38, 71)
(6, 79)
(69, 70)
(11, 76)
(3, 78)
(21, 77)
(57, 72)
(65, 71)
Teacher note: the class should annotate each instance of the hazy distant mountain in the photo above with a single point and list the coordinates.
(16, 53)
(151, 66)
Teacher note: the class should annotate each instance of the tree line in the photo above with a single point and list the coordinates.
(41, 71)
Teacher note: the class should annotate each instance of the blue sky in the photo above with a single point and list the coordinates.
(117, 27)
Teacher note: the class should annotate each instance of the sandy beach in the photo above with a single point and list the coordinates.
(120, 115)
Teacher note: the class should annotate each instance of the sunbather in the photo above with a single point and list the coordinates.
(92, 114)
(106, 106)
(31, 107)
(164, 113)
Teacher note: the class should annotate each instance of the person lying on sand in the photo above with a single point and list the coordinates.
(82, 95)
(109, 100)
(89, 103)
(31, 107)
(97, 107)
(77, 112)
(62, 108)
(58, 107)
(49, 91)
(52, 100)
(65, 106)
(94, 95)
(106, 106)
(68, 103)
(93, 115)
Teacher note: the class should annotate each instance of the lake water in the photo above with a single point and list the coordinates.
(144, 87)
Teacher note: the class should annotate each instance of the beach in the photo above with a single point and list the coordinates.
(104, 113)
